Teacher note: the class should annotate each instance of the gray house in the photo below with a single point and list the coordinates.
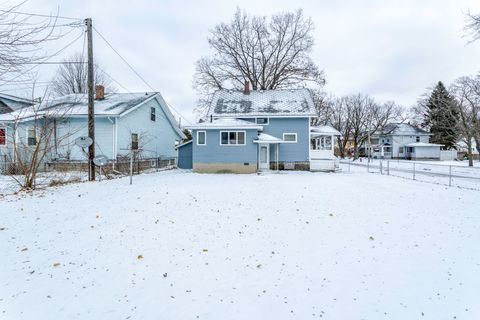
(249, 131)
(403, 141)
(121, 120)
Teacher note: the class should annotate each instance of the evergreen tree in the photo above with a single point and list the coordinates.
(441, 117)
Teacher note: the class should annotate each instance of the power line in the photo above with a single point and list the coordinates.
(40, 15)
(134, 71)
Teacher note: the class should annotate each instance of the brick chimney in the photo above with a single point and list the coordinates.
(246, 88)
(99, 92)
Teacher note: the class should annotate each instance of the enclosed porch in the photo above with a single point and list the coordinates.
(322, 148)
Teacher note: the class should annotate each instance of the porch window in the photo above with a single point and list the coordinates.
(410, 149)
(31, 136)
(322, 143)
(201, 138)
(262, 120)
(290, 137)
(134, 141)
(232, 138)
(153, 115)
(3, 136)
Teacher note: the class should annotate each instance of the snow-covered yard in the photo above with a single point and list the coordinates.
(296, 245)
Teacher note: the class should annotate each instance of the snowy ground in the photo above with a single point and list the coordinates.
(297, 245)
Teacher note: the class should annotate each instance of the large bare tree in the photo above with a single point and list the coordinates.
(466, 91)
(268, 53)
(71, 76)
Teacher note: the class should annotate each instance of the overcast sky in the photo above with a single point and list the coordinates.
(392, 50)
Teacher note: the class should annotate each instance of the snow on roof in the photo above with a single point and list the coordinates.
(263, 137)
(297, 102)
(423, 144)
(13, 102)
(326, 130)
(227, 123)
(403, 129)
(114, 104)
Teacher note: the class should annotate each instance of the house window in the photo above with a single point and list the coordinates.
(410, 149)
(3, 136)
(201, 138)
(262, 120)
(400, 150)
(417, 139)
(153, 116)
(321, 143)
(31, 136)
(232, 138)
(134, 141)
(290, 137)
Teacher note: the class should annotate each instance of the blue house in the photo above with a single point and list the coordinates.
(121, 120)
(247, 131)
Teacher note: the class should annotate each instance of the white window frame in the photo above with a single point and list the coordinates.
(236, 139)
(6, 135)
(205, 133)
(291, 133)
(36, 136)
(263, 124)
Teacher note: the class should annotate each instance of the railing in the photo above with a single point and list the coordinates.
(439, 173)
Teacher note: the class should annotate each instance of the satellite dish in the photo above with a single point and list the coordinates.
(100, 160)
(84, 142)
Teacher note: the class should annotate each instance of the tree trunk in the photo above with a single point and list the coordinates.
(469, 152)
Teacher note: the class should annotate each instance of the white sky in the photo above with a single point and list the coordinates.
(392, 50)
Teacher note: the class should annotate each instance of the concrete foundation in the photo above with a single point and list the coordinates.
(224, 167)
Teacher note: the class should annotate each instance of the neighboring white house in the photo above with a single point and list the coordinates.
(121, 119)
(403, 141)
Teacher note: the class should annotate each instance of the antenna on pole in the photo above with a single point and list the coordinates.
(91, 111)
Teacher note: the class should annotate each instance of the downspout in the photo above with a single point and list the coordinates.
(114, 141)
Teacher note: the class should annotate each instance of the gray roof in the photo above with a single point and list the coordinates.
(228, 103)
(402, 129)
(113, 104)
(9, 103)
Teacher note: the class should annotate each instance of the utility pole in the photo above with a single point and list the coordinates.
(91, 111)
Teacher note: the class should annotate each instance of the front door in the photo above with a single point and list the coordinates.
(263, 157)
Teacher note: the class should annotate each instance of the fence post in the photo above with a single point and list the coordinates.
(388, 167)
(450, 176)
(131, 166)
(349, 162)
(368, 166)
(414, 171)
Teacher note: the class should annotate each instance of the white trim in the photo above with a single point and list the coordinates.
(249, 116)
(294, 133)
(226, 127)
(183, 144)
(236, 138)
(268, 156)
(36, 136)
(205, 142)
(263, 124)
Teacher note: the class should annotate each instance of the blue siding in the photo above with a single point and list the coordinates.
(289, 152)
(185, 156)
(213, 152)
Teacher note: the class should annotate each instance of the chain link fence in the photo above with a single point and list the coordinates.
(446, 173)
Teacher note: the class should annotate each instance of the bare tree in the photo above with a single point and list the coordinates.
(473, 26)
(21, 38)
(466, 91)
(270, 54)
(71, 76)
